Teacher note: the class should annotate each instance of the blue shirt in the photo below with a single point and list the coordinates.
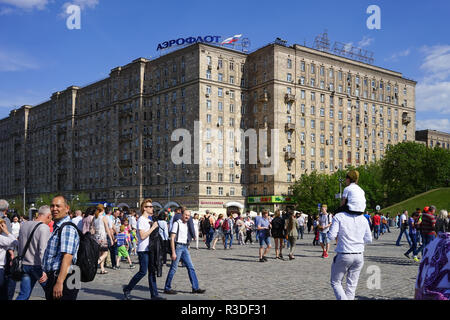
(121, 239)
(69, 243)
(368, 218)
(263, 223)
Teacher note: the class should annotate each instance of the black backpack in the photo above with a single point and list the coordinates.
(87, 255)
(206, 225)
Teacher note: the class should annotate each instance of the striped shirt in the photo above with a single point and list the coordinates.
(69, 243)
(428, 223)
(121, 239)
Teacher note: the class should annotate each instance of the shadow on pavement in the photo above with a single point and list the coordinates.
(391, 260)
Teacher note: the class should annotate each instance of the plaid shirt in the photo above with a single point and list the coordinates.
(69, 243)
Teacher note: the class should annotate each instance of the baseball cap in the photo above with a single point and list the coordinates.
(426, 209)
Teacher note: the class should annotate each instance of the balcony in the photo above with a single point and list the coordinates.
(289, 155)
(406, 119)
(125, 163)
(289, 98)
(264, 97)
(125, 137)
(289, 126)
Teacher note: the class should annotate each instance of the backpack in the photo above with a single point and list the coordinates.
(206, 225)
(217, 225)
(87, 255)
(226, 225)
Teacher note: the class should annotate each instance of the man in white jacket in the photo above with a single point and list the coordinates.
(352, 231)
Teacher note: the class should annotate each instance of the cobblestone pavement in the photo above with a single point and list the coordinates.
(238, 274)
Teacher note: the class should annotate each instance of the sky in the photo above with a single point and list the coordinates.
(40, 55)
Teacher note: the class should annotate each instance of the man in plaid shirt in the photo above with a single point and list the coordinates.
(60, 254)
(427, 227)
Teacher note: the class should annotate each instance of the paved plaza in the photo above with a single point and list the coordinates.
(237, 274)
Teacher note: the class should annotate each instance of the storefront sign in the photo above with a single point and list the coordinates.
(270, 199)
(189, 40)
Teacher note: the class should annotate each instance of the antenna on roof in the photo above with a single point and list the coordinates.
(321, 42)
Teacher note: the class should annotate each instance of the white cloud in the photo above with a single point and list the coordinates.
(397, 55)
(433, 97)
(433, 92)
(27, 4)
(366, 41)
(434, 124)
(16, 61)
(437, 62)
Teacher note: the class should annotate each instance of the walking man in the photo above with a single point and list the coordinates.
(403, 228)
(180, 251)
(208, 229)
(60, 254)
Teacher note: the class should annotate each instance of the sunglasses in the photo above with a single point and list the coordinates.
(148, 206)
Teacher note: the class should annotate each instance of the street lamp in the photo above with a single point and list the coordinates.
(117, 194)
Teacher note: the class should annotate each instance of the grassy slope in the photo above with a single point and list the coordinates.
(438, 197)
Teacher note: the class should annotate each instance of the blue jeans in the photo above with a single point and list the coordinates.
(228, 235)
(413, 248)
(426, 239)
(376, 231)
(31, 275)
(209, 236)
(144, 266)
(7, 286)
(182, 252)
(403, 231)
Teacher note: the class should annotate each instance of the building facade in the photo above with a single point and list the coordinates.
(116, 139)
(433, 138)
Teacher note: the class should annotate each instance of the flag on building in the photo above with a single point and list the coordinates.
(231, 39)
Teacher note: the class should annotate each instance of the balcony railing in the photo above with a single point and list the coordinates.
(289, 126)
(289, 155)
(289, 97)
(406, 120)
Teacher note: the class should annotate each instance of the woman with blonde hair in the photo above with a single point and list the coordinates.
(292, 233)
(442, 221)
(101, 234)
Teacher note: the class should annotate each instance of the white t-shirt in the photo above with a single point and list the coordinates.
(143, 224)
(402, 218)
(78, 222)
(301, 221)
(183, 233)
(132, 220)
(356, 197)
(15, 229)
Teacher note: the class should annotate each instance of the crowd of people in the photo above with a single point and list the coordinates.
(48, 248)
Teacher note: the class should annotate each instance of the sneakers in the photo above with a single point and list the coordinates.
(416, 259)
(407, 255)
(325, 255)
(200, 291)
(126, 294)
(264, 258)
(132, 266)
(170, 291)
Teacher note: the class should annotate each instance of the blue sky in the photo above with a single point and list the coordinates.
(39, 55)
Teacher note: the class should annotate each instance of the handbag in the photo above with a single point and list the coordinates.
(16, 270)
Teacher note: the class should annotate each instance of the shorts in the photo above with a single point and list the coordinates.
(218, 234)
(323, 237)
(122, 252)
(264, 239)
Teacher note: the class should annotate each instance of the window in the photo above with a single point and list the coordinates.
(220, 106)
(313, 70)
(313, 124)
(220, 177)
(220, 92)
(220, 191)
(220, 77)
(289, 77)
(208, 176)
(232, 79)
(289, 63)
(208, 118)
(208, 190)
(302, 66)
(208, 74)
(219, 63)
(208, 104)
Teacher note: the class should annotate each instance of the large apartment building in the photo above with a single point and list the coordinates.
(112, 139)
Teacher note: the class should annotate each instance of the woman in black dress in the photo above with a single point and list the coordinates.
(278, 234)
